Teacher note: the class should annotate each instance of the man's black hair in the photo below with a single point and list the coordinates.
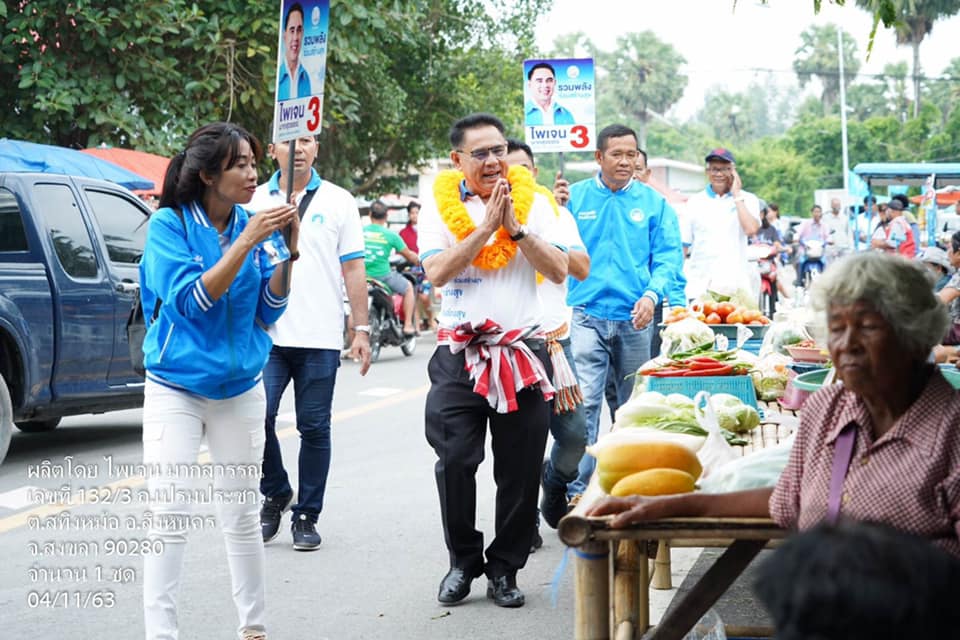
(473, 121)
(903, 199)
(296, 6)
(614, 131)
(378, 210)
(541, 65)
(412, 204)
(518, 145)
(859, 580)
(646, 159)
(868, 199)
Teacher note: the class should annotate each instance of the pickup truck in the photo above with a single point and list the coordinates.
(69, 254)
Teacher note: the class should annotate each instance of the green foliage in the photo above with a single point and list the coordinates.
(146, 74)
(776, 173)
(817, 58)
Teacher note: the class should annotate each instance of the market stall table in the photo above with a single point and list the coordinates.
(612, 566)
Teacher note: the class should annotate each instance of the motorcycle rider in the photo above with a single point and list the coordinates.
(811, 230)
(380, 242)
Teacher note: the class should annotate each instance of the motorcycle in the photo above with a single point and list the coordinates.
(812, 264)
(765, 256)
(386, 316)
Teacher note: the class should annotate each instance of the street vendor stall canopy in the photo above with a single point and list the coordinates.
(22, 156)
(878, 174)
(150, 165)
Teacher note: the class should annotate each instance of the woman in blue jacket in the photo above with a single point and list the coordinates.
(208, 277)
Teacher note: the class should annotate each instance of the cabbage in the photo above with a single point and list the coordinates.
(685, 335)
(733, 415)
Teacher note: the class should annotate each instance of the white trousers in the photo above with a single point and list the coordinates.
(174, 423)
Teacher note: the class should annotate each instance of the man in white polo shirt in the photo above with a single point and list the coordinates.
(484, 235)
(716, 225)
(308, 338)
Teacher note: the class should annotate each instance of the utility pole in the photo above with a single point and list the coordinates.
(843, 115)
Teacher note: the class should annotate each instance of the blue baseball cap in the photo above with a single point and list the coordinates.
(720, 154)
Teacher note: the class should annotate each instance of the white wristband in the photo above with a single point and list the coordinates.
(363, 327)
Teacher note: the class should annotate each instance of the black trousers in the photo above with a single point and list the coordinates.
(456, 426)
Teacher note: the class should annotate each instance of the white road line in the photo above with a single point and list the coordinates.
(16, 499)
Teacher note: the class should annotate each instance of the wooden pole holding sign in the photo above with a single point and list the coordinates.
(285, 276)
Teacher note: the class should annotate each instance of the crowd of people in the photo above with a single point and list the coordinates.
(550, 301)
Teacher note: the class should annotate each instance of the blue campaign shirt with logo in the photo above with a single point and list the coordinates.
(633, 238)
(303, 83)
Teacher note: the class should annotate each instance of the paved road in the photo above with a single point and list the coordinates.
(375, 576)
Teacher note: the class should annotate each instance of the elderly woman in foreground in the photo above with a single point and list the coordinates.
(899, 414)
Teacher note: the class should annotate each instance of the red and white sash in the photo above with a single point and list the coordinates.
(499, 362)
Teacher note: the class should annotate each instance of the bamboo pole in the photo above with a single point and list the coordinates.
(592, 591)
(661, 572)
(626, 584)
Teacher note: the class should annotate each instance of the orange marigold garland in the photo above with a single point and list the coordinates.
(454, 214)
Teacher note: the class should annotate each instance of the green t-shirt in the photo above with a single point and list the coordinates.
(378, 242)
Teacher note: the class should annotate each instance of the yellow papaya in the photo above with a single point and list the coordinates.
(618, 461)
(654, 482)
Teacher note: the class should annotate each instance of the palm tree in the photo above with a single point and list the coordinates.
(914, 21)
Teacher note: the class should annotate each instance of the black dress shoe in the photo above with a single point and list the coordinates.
(455, 586)
(504, 592)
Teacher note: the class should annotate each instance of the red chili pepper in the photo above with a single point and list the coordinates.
(723, 370)
(696, 366)
(668, 373)
(706, 359)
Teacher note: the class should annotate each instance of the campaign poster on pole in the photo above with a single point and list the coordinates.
(301, 67)
(559, 111)
(929, 207)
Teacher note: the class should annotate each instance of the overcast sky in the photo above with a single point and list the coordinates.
(732, 48)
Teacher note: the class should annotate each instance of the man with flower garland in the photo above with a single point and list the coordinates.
(633, 238)
(484, 235)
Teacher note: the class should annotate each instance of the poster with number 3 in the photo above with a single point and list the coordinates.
(301, 67)
(559, 112)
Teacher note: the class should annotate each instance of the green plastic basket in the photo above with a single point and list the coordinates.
(952, 375)
(813, 380)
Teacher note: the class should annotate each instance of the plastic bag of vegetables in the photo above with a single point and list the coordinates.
(685, 335)
(733, 415)
(770, 376)
(759, 469)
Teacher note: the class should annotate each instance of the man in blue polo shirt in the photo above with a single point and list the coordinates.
(633, 239)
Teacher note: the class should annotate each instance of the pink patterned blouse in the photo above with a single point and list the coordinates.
(909, 478)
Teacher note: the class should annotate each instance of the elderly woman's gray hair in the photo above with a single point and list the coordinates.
(900, 290)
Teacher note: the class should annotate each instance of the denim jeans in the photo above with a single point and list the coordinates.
(601, 347)
(569, 431)
(314, 372)
(174, 423)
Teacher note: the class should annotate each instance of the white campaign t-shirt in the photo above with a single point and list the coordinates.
(508, 295)
(330, 234)
(553, 296)
(718, 244)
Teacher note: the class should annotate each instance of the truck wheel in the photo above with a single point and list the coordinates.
(38, 426)
(6, 419)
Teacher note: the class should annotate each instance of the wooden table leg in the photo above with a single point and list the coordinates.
(707, 591)
(626, 588)
(591, 618)
(661, 572)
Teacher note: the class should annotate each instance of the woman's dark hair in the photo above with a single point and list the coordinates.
(212, 149)
(955, 242)
(764, 222)
(858, 580)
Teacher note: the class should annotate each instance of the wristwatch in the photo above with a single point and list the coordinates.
(520, 234)
(363, 327)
